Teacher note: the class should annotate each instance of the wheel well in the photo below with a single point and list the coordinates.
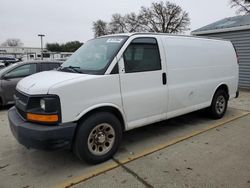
(110, 109)
(224, 88)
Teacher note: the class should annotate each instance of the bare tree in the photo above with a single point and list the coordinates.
(12, 43)
(126, 24)
(100, 28)
(117, 24)
(165, 17)
(135, 23)
(243, 6)
(160, 17)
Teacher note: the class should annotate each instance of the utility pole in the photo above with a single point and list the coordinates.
(41, 35)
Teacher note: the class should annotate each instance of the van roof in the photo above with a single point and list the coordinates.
(165, 34)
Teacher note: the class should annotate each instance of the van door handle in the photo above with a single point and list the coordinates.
(164, 78)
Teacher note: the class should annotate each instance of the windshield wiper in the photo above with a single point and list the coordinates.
(71, 69)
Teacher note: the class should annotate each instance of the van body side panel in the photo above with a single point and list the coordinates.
(196, 67)
(143, 98)
(81, 94)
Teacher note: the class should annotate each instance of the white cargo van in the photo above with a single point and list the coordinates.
(119, 82)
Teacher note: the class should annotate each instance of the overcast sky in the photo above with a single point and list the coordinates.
(67, 20)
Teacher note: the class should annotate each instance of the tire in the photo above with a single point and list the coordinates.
(219, 104)
(98, 138)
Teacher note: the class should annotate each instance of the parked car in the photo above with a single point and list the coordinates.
(8, 60)
(120, 82)
(11, 75)
(2, 65)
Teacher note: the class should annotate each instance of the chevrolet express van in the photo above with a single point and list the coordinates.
(120, 82)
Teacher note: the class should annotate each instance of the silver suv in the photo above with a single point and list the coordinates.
(11, 75)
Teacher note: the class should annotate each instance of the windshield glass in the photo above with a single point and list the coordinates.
(94, 56)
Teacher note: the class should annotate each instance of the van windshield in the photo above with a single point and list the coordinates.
(94, 56)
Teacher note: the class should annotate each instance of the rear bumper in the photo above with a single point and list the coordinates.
(39, 136)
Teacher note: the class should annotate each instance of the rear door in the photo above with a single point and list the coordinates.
(143, 82)
(10, 79)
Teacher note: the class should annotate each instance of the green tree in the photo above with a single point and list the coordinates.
(71, 46)
(53, 47)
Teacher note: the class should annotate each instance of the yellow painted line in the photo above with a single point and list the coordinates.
(79, 179)
(71, 182)
(159, 147)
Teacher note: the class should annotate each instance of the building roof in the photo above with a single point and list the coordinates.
(236, 23)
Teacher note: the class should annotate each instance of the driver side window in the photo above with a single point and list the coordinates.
(22, 71)
(142, 55)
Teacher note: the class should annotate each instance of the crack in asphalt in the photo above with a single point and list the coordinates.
(1, 167)
(128, 170)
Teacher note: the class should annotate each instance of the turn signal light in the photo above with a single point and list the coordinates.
(43, 118)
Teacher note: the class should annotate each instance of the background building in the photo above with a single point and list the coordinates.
(30, 53)
(237, 30)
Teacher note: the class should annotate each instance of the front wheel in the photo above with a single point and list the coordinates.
(98, 138)
(219, 104)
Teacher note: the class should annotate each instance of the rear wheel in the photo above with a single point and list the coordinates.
(98, 138)
(219, 104)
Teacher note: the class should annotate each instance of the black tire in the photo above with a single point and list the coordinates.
(218, 109)
(82, 145)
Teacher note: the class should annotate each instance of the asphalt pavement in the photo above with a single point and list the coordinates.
(188, 151)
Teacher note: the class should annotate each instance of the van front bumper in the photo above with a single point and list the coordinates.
(40, 136)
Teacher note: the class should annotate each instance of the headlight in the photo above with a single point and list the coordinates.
(49, 104)
(42, 104)
(44, 109)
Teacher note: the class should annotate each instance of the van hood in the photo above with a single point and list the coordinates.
(40, 83)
